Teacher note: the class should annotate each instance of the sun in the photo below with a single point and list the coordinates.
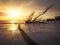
(16, 13)
(13, 13)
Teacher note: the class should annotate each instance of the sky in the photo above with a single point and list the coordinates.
(28, 6)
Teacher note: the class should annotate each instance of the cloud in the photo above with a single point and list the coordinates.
(39, 3)
(2, 14)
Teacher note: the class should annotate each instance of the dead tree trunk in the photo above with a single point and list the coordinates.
(26, 38)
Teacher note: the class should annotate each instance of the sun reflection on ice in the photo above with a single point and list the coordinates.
(13, 26)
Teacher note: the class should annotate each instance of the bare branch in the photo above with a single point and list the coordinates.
(44, 12)
(30, 17)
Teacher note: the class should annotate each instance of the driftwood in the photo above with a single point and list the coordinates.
(30, 17)
(34, 20)
(44, 12)
(26, 38)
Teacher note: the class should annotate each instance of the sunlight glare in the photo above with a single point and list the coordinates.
(13, 13)
(13, 26)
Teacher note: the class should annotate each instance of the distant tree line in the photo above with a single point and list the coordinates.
(57, 18)
(50, 19)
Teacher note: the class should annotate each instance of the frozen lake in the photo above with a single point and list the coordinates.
(42, 34)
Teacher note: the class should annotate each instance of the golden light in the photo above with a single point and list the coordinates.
(13, 13)
(13, 21)
(16, 13)
(13, 26)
